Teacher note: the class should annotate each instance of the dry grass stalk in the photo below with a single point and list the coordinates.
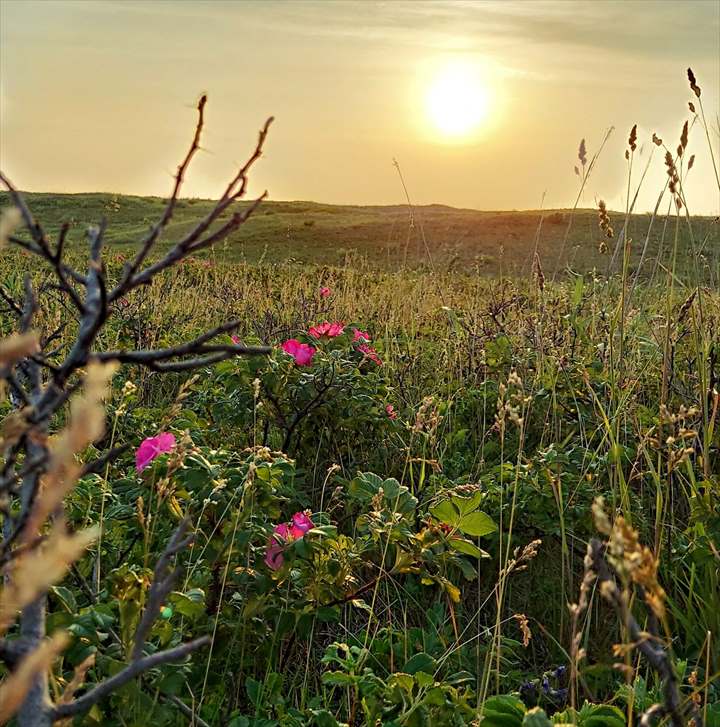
(538, 273)
(34, 572)
(78, 679)
(10, 219)
(576, 610)
(87, 424)
(632, 561)
(18, 346)
(17, 685)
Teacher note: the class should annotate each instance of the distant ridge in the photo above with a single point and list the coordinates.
(385, 236)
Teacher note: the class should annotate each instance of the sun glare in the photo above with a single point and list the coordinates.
(456, 101)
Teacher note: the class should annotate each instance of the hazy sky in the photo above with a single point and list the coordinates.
(99, 96)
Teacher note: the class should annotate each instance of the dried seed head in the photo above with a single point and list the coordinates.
(684, 136)
(693, 82)
(691, 162)
(656, 140)
(674, 183)
(685, 307)
(582, 153)
(604, 219)
(632, 139)
(524, 626)
(691, 106)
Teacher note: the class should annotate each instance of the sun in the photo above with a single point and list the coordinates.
(456, 101)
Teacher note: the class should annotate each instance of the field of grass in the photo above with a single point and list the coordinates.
(522, 401)
(432, 237)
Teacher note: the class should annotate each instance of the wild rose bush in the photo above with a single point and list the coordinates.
(325, 384)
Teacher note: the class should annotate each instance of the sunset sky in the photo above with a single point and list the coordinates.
(483, 104)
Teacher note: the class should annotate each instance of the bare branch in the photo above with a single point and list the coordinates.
(187, 711)
(36, 231)
(40, 385)
(162, 584)
(152, 358)
(132, 267)
(102, 690)
(193, 240)
(99, 464)
(12, 305)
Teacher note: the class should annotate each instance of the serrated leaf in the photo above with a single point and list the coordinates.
(477, 524)
(466, 505)
(446, 512)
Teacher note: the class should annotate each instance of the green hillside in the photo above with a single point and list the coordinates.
(390, 237)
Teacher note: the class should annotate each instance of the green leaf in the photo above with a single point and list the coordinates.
(446, 512)
(435, 697)
(404, 681)
(338, 678)
(477, 523)
(468, 548)
(423, 679)
(190, 604)
(536, 718)
(503, 711)
(466, 505)
(66, 598)
(591, 715)
(323, 718)
(419, 662)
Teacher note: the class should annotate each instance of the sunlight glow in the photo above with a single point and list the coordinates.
(456, 101)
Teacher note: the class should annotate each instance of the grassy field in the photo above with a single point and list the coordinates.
(433, 237)
(523, 399)
(392, 512)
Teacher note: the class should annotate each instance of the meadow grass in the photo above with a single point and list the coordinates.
(603, 379)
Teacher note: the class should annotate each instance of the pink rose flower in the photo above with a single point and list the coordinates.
(327, 330)
(325, 292)
(301, 523)
(370, 353)
(151, 448)
(390, 409)
(236, 340)
(282, 535)
(359, 335)
(302, 352)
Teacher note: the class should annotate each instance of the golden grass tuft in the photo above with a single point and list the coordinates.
(16, 686)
